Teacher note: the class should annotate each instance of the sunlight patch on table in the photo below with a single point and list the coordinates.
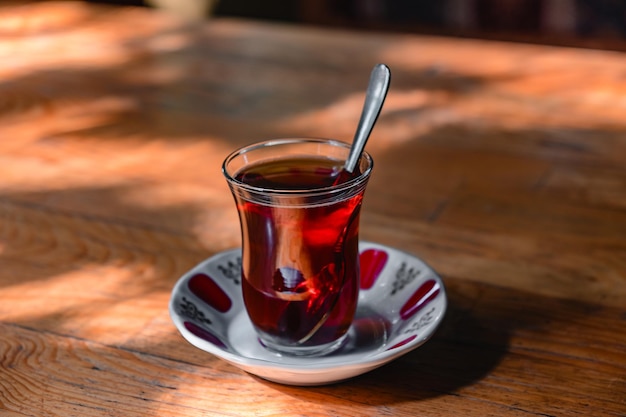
(405, 116)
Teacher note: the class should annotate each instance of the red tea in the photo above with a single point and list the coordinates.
(300, 253)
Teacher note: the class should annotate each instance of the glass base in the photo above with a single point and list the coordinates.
(309, 351)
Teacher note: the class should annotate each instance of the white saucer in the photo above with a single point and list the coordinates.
(401, 303)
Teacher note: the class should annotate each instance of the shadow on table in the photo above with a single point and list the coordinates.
(471, 343)
(462, 352)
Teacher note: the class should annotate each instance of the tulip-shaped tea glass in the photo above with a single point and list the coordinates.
(299, 214)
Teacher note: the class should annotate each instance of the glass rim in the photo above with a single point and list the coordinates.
(302, 191)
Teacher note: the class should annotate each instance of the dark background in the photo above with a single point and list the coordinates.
(579, 23)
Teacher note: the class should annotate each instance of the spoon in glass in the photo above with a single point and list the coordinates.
(374, 99)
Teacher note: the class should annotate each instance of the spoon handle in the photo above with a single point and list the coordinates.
(374, 99)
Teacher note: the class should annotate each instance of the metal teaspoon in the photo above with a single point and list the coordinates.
(374, 99)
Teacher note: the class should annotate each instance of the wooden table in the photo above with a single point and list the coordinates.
(501, 165)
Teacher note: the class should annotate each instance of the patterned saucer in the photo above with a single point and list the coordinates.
(401, 303)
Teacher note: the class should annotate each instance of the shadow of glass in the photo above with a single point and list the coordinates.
(479, 334)
(463, 351)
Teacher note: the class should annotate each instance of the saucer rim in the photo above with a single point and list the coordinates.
(308, 366)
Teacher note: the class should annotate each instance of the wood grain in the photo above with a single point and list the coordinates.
(501, 165)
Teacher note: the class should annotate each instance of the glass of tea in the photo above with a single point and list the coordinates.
(299, 214)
